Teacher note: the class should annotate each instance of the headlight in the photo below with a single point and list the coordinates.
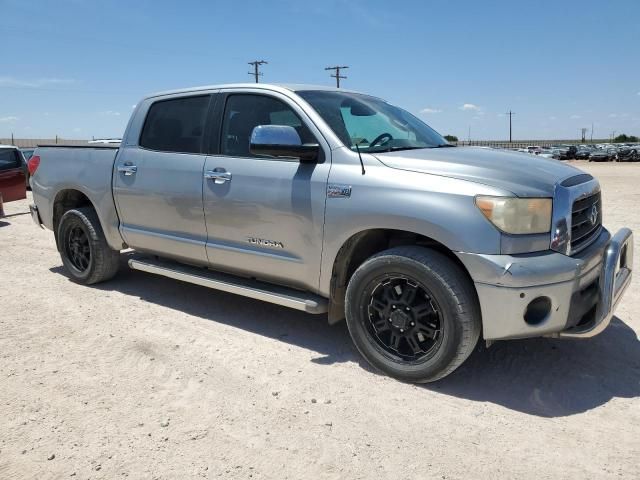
(517, 215)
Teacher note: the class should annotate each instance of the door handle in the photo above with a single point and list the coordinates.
(128, 170)
(219, 177)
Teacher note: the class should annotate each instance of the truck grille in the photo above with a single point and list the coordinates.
(586, 221)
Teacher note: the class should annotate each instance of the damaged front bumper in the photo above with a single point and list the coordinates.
(551, 294)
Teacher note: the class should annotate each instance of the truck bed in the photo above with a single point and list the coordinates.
(87, 169)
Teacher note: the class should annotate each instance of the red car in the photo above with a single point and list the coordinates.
(12, 175)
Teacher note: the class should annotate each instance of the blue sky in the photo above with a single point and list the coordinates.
(75, 68)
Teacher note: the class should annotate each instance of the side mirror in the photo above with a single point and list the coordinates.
(281, 141)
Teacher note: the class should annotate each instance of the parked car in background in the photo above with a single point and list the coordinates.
(583, 153)
(560, 153)
(535, 149)
(571, 151)
(12, 177)
(546, 152)
(628, 154)
(27, 153)
(599, 155)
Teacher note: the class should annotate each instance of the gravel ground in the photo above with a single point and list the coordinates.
(146, 377)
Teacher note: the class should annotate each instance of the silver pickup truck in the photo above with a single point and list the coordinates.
(339, 203)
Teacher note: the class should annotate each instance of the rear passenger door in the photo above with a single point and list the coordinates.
(12, 178)
(157, 182)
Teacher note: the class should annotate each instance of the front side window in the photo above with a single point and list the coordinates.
(9, 159)
(371, 123)
(176, 125)
(244, 112)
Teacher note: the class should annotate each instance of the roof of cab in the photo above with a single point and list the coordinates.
(261, 86)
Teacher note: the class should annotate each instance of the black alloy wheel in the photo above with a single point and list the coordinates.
(404, 318)
(77, 248)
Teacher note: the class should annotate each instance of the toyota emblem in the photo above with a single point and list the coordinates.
(594, 215)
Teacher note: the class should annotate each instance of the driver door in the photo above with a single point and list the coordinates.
(265, 217)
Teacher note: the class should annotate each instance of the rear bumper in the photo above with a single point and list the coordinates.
(35, 215)
(582, 291)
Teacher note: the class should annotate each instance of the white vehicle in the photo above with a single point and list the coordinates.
(534, 149)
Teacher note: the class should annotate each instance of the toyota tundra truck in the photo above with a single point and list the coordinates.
(338, 203)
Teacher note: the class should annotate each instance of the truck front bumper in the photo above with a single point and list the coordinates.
(551, 294)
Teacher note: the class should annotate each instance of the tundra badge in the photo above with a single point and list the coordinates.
(265, 243)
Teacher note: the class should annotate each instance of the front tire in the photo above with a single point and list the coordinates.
(84, 249)
(413, 313)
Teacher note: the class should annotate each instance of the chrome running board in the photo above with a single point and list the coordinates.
(287, 297)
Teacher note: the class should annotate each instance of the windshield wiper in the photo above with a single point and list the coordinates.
(394, 149)
(444, 145)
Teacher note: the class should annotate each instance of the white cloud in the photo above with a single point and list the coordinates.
(553, 117)
(430, 110)
(575, 117)
(110, 113)
(613, 115)
(35, 83)
(8, 119)
(469, 107)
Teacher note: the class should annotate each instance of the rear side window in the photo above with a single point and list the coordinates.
(176, 125)
(9, 159)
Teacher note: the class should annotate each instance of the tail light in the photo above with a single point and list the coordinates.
(33, 164)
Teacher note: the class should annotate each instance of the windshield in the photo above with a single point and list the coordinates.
(371, 123)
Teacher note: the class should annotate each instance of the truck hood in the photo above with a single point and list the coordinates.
(522, 174)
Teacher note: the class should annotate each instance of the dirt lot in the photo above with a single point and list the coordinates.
(146, 377)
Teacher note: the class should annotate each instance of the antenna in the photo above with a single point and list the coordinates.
(256, 68)
(337, 76)
(360, 157)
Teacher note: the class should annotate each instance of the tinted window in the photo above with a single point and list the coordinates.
(9, 159)
(245, 112)
(176, 125)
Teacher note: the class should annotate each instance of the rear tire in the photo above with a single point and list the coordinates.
(84, 249)
(413, 313)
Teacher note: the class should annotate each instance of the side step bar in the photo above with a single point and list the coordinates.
(287, 297)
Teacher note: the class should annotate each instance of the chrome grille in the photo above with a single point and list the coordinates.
(586, 221)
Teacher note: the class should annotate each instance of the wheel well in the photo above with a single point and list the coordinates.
(66, 200)
(361, 246)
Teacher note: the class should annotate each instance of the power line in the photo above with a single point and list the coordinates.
(510, 113)
(337, 75)
(256, 68)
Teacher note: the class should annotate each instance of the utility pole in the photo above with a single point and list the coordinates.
(256, 68)
(584, 134)
(337, 76)
(510, 113)
(591, 132)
